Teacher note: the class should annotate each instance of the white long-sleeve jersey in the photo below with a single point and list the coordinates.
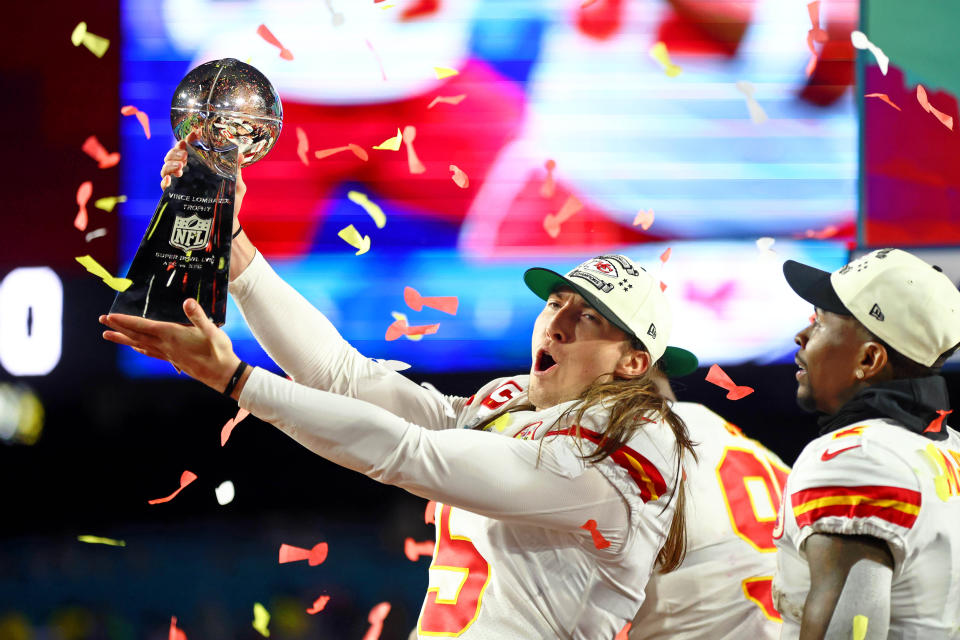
(515, 557)
(722, 589)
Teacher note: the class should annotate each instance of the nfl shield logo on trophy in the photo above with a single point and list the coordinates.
(190, 233)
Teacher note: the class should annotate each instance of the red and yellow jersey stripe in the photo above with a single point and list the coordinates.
(641, 470)
(893, 504)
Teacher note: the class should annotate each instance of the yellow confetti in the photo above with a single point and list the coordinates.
(372, 208)
(445, 72)
(860, 627)
(99, 540)
(96, 44)
(403, 318)
(391, 144)
(352, 237)
(107, 204)
(261, 618)
(91, 265)
(659, 53)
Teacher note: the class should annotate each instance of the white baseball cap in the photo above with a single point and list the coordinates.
(627, 296)
(907, 303)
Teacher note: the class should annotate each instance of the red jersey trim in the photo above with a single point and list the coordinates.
(894, 504)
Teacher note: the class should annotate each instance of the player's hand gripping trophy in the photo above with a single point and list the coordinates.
(185, 251)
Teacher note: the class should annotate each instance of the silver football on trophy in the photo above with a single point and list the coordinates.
(230, 104)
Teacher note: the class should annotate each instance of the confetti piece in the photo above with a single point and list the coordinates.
(391, 144)
(445, 72)
(946, 120)
(84, 191)
(376, 56)
(315, 556)
(459, 177)
(108, 203)
(376, 618)
(175, 633)
(430, 513)
(99, 540)
(93, 148)
(718, 376)
(185, 478)
(413, 162)
(552, 222)
(883, 97)
(644, 219)
(815, 34)
(765, 244)
(415, 550)
(859, 40)
(336, 18)
(261, 618)
(355, 148)
(663, 286)
(860, 624)
(598, 540)
(666, 255)
(447, 304)
(623, 633)
(318, 605)
(757, 114)
(393, 365)
(358, 151)
(267, 35)
(447, 407)
(351, 236)
(399, 327)
(659, 53)
(144, 119)
(303, 145)
(225, 492)
(454, 100)
(937, 423)
(97, 45)
(91, 265)
(827, 232)
(587, 3)
(549, 186)
(231, 423)
(373, 209)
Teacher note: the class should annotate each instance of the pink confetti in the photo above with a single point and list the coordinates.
(93, 148)
(430, 513)
(598, 540)
(552, 222)
(663, 286)
(400, 328)
(644, 219)
(303, 145)
(316, 555)
(383, 74)
(318, 605)
(185, 478)
(459, 177)
(944, 119)
(937, 423)
(719, 377)
(144, 119)
(816, 34)
(666, 255)
(413, 162)
(267, 35)
(232, 422)
(84, 191)
(883, 97)
(623, 634)
(454, 100)
(587, 3)
(377, 615)
(447, 304)
(827, 232)
(175, 633)
(355, 148)
(548, 187)
(414, 550)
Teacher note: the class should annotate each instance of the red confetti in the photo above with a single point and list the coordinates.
(318, 605)
(400, 328)
(144, 119)
(815, 34)
(552, 222)
(93, 148)
(185, 478)
(623, 633)
(84, 191)
(315, 556)
(430, 513)
(231, 423)
(355, 148)
(663, 286)
(447, 304)
(883, 97)
(718, 376)
(265, 33)
(937, 423)
(414, 550)
(413, 162)
(549, 186)
(598, 540)
(447, 100)
(944, 119)
(666, 255)
(376, 618)
(459, 177)
(827, 232)
(175, 633)
(303, 145)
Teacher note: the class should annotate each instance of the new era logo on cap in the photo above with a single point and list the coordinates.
(876, 313)
(652, 331)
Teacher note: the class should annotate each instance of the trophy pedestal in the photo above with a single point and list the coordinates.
(185, 252)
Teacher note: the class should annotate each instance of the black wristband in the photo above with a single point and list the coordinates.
(235, 378)
(237, 232)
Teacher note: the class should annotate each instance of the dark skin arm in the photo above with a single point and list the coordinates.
(830, 558)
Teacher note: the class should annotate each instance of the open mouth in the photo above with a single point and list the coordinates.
(544, 362)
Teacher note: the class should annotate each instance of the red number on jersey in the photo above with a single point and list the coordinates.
(452, 616)
(760, 591)
(752, 489)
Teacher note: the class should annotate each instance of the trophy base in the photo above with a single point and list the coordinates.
(185, 251)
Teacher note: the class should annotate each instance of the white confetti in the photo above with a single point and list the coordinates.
(96, 233)
(225, 492)
(860, 41)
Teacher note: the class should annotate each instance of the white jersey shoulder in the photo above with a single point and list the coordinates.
(734, 490)
(879, 479)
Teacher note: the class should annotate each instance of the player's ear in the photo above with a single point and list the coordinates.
(633, 363)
